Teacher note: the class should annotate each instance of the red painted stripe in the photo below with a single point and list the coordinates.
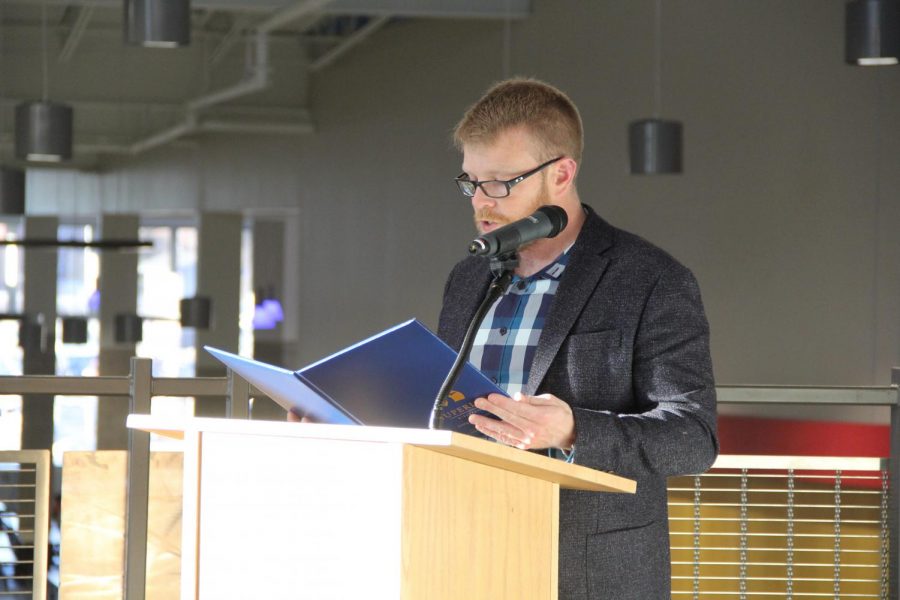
(753, 435)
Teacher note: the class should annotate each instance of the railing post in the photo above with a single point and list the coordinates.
(237, 404)
(894, 491)
(138, 483)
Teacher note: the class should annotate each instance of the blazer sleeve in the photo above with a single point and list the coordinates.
(673, 431)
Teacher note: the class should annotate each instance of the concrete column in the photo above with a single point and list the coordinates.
(219, 278)
(39, 354)
(118, 294)
(268, 276)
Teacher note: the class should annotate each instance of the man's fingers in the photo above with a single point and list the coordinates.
(542, 400)
(500, 431)
(542, 421)
(516, 413)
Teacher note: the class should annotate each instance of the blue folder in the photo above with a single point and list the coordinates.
(389, 379)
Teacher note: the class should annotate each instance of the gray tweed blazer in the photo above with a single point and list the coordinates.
(626, 344)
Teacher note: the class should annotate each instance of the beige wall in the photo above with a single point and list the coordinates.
(787, 212)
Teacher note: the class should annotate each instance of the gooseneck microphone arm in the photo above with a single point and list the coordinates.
(503, 268)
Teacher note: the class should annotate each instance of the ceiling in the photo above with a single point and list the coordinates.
(248, 67)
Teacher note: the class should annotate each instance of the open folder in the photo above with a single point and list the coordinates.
(389, 379)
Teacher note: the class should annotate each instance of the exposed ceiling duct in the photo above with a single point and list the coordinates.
(128, 100)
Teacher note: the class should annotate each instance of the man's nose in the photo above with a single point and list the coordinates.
(481, 200)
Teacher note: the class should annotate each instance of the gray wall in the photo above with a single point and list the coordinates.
(788, 211)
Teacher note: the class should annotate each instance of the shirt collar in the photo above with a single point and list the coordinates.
(552, 271)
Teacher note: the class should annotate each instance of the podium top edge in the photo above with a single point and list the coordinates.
(177, 427)
(568, 476)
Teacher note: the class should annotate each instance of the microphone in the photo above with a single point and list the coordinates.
(546, 222)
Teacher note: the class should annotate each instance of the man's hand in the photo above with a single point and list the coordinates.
(295, 418)
(527, 422)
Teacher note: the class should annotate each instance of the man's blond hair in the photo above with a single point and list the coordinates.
(544, 111)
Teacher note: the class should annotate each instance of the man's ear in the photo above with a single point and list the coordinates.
(563, 177)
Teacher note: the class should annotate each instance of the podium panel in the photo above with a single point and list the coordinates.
(287, 518)
(288, 510)
(475, 531)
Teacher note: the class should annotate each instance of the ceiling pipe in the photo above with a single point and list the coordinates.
(257, 80)
(165, 136)
(274, 128)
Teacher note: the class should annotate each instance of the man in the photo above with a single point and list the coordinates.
(601, 342)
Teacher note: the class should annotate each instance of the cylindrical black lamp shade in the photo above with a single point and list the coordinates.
(44, 131)
(158, 23)
(12, 191)
(196, 312)
(872, 31)
(31, 333)
(129, 329)
(74, 330)
(654, 146)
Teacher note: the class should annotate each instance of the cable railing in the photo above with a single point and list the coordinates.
(781, 526)
(754, 526)
(24, 518)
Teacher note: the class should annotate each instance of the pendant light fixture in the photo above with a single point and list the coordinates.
(128, 328)
(32, 333)
(872, 32)
(43, 128)
(12, 191)
(158, 23)
(43, 131)
(196, 312)
(74, 330)
(654, 145)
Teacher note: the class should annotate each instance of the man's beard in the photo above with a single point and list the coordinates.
(485, 214)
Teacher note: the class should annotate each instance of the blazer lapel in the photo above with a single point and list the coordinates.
(467, 302)
(580, 279)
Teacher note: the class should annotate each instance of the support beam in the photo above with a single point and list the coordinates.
(39, 353)
(118, 294)
(218, 278)
(291, 13)
(349, 42)
(234, 35)
(76, 32)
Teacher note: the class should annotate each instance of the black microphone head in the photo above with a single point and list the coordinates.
(557, 217)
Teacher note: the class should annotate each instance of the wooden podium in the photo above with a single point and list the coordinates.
(287, 510)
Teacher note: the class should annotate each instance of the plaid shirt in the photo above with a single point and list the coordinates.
(508, 337)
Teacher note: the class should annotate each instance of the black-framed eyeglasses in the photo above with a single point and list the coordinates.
(495, 188)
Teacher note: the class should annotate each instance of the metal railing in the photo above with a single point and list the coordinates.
(780, 526)
(140, 386)
(24, 523)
